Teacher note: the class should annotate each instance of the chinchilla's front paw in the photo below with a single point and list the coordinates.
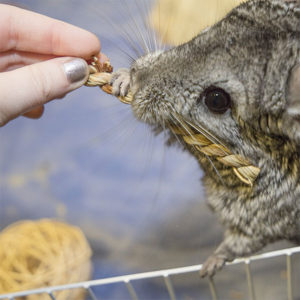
(120, 82)
(213, 264)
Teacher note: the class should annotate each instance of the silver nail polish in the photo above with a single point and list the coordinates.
(76, 70)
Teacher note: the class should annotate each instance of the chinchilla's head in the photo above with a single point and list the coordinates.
(238, 81)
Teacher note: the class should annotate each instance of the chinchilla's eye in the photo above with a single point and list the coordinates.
(216, 99)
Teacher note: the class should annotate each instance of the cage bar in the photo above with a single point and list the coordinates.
(169, 286)
(51, 296)
(176, 271)
(131, 290)
(212, 288)
(91, 293)
(289, 276)
(249, 280)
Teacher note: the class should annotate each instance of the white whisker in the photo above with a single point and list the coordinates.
(175, 135)
(183, 125)
(207, 134)
(181, 122)
(144, 15)
(129, 56)
(125, 35)
(136, 30)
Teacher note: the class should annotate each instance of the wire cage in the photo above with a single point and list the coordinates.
(129, 280)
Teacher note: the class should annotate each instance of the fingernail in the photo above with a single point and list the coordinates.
(76, 70)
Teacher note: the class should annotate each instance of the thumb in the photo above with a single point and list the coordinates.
(31, 86)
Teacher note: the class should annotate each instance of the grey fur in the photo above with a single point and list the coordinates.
(252, 54)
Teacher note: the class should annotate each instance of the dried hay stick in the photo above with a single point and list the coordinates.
(242, 167)
(247, 173)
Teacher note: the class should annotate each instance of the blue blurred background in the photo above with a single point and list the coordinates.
(88, 162)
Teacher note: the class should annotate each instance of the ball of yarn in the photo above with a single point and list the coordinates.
(35, 254)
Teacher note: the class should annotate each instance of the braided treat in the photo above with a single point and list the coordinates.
(100, 75)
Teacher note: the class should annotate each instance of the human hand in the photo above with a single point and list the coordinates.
(37, 61)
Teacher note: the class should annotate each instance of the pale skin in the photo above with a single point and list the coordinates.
(33, 49)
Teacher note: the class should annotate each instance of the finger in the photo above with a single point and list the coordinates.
(28, 31)
(35, 113)
(12, 59)
(28, 87)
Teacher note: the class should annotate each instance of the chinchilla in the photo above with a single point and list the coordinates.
(238, 84)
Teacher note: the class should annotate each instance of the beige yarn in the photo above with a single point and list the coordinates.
(242, 168)
(35, 254)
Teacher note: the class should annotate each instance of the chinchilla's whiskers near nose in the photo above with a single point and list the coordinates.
(161, 45)
(173, 122)
(147, 21)
(140, 25)
(145, 9)
(182, 124)
(146, 154)
(129, 56)
(119, 31)
(131, 23)
(200, 129)
(163, 30)
(136, 29)
(161, 171)
(110, 134)
(157, 38)
(129, 40)
(215, 168)
(188, 132)
(123, 128)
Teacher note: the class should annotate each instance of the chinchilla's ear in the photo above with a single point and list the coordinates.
(291, 115)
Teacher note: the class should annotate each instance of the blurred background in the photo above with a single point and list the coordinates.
(88, 162)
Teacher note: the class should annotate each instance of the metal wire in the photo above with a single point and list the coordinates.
(289, 276)
(91, 293)
(51, 296)
(165, 274)
(249, 280)
(212, 288)
(131, 290)
(169, 286)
